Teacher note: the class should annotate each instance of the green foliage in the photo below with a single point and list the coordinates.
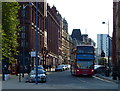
(102, 61)
(10, 28)
(0, 43)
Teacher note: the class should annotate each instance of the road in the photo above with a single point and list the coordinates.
(65, 80)
(62, 80)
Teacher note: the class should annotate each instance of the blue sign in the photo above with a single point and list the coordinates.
(85, 56)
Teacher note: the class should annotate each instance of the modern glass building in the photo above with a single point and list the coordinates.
(104, 43)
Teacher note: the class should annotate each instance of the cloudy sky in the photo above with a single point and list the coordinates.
(86, 15)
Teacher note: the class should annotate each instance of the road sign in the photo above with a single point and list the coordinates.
(33, 54)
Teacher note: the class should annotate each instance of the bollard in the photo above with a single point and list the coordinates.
(107, 74)
(20, 78)
(3, 77)
(114, 75)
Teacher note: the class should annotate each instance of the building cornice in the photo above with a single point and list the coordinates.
(116, 0)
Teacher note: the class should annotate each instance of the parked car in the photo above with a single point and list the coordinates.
(39, 67)
(100, 69)
(64, 67)
(59, 68)
(41, 76)
(68, 66)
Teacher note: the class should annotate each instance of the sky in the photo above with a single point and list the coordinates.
(86, 15)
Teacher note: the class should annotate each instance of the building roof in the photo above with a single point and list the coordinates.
(76, 34)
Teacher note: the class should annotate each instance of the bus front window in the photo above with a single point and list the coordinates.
(84, 64)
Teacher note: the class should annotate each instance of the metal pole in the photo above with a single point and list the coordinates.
(108, 51)
(108, 46)
(23, 40)
(36, 81)
(108, 70)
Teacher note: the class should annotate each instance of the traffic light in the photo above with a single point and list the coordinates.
(102, 54)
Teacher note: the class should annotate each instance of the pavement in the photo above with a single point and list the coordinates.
(23, 79)
(15, 79)
(107, 78)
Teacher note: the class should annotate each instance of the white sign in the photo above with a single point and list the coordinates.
(33, 54)
(41, 57)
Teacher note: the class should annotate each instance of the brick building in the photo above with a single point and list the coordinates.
(53, 26)
(114, 34)
(116, 37)
(65, 42)
(27, 35)
(49, 34)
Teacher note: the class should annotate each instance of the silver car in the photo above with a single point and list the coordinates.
(41, 76)
(40, 67)
(59, 68)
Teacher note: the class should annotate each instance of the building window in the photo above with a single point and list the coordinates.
(26, 44)
(22, 35)
(22, 44)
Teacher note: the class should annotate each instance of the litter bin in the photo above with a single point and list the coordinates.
(107, 72)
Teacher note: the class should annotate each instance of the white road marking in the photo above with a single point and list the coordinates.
(103, 79)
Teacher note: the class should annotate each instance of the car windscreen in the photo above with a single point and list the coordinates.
(59, 66)
(38, 68)
(85, 64)
(39, 71)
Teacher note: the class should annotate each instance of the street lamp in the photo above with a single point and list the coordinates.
(108, 44)
(23, 36)
(36, 81)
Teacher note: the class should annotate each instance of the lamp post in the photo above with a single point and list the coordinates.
(36, 81)
(108, 45)
(23, 36)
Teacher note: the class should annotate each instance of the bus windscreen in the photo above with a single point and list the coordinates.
(85, 64)
(85, 49)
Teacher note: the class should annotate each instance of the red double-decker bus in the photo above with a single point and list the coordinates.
(84, 58)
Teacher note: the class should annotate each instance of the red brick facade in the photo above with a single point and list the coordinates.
(114, 34)
(53, 25)
(50, 24)
(29, 21)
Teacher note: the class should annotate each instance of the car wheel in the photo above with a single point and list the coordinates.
(45, 80)
(30, 81)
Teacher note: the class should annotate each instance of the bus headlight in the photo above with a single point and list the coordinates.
(77, 70)
(92, 70)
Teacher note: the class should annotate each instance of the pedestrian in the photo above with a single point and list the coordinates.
(3, 74)
(49, 67)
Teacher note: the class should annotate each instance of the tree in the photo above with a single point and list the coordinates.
(10, 28)
(102, 61)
